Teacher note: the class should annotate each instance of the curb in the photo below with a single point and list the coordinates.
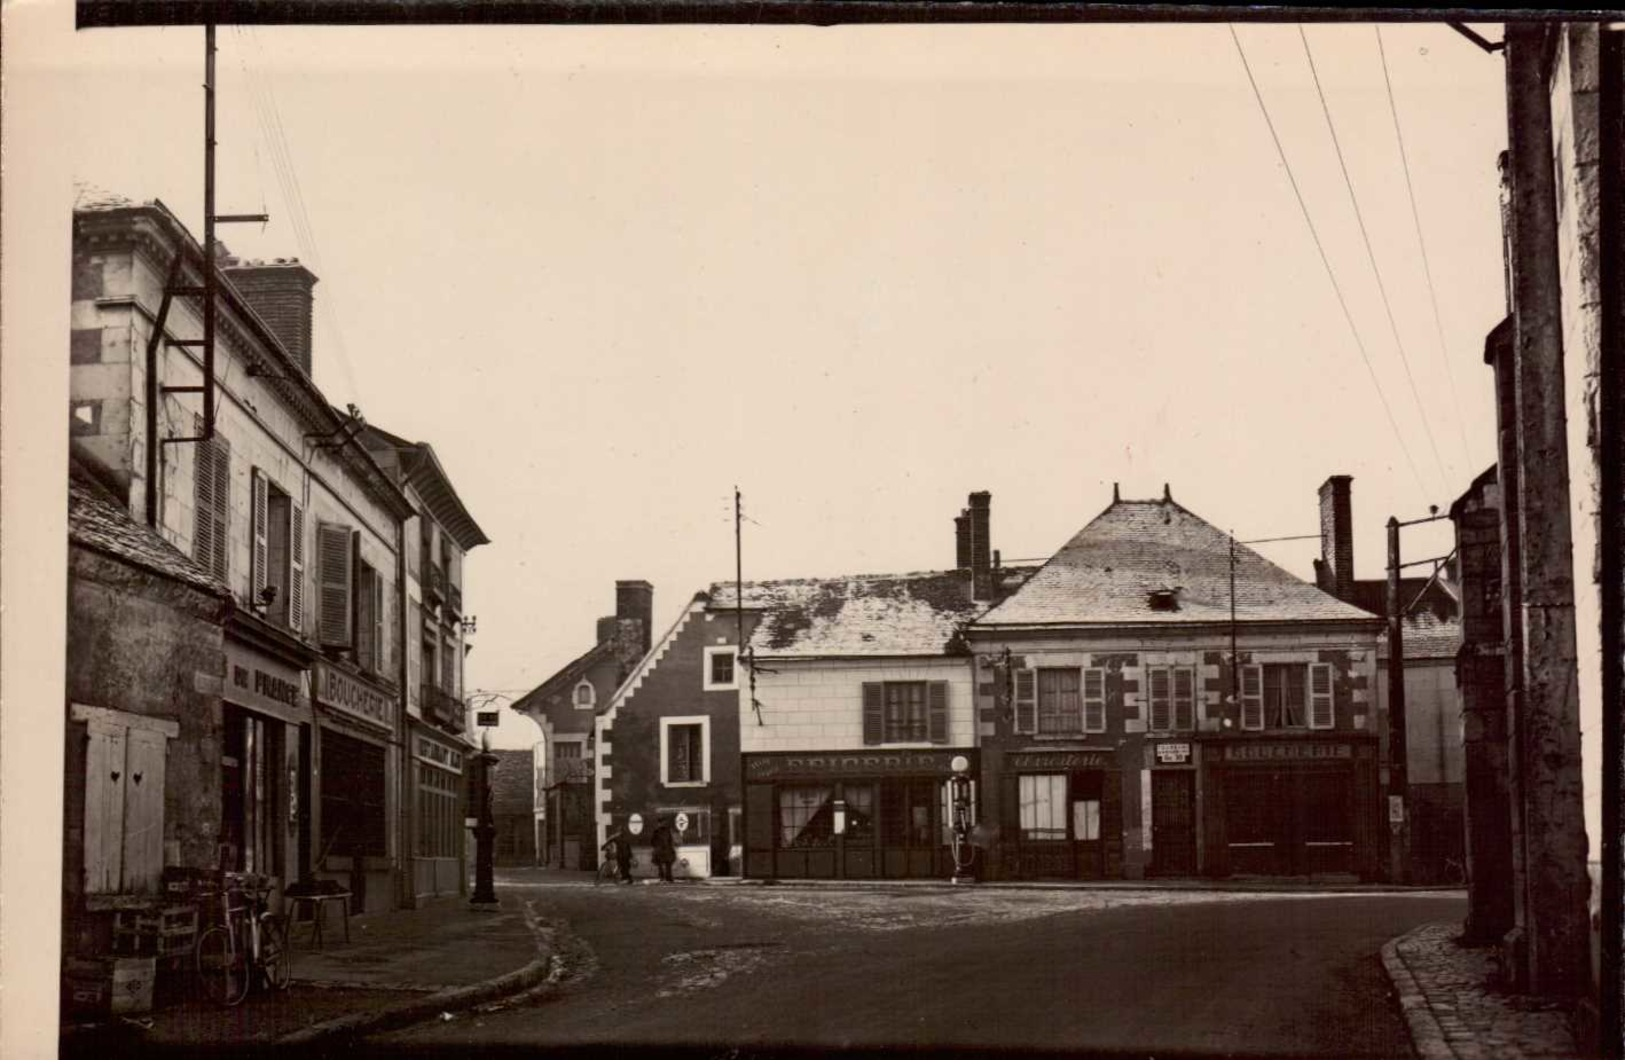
(1426, 1035)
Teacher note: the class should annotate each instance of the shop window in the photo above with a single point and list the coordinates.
(905, 712)
(124, 800)
(685, 751)
(806, 817)
(1286, 696)
(251, 771)
(1043, 807)
(1060, 701)
(721, 673)
(860, 813)
(440, 823)
(353, 792)
(211, 488)
(1171, 698)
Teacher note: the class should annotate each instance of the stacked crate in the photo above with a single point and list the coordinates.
(163, 931)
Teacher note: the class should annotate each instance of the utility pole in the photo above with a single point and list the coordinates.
(1398, 776)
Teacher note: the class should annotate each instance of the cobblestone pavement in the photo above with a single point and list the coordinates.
(1450, 1001)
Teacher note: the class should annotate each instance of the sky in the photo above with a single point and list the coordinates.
(611, 273)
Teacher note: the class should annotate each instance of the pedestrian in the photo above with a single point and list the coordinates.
(620, 845)
(665, 849)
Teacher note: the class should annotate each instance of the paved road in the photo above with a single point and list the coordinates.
(712, 969)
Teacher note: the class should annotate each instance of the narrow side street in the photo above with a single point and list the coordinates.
(758, 969)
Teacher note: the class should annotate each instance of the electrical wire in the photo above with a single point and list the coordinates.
(1331, 274)
(1371, 256)
(1427, 269)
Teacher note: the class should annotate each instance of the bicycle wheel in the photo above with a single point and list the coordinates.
(276, 956)
(222, 967)
(605, 871)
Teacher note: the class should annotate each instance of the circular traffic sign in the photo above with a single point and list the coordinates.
(634, 823)
(682, 821)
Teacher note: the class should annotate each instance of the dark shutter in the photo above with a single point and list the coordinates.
(259, 502)
(937, 707)
(335, 575)
(874, 710)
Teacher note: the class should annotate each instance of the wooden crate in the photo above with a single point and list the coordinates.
(118, 986)
(167, 931)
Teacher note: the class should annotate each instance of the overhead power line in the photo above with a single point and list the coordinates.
(1371, 256)
(1427, 269)
(1331, 274)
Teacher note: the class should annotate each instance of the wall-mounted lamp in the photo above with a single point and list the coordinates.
(840, 816)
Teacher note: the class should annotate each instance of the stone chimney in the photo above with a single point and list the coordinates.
(1335, 571)
(635, 601)
(280, 293)
(962, 540)
(981, 548)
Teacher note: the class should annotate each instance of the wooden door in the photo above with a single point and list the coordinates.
(1173, 823)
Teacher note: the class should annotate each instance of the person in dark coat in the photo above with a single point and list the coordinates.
(664, 842)
(620, 844)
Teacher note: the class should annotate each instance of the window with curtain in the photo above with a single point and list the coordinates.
(806, 818)
(1043, 807)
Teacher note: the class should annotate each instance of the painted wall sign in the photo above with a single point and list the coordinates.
(1289, 752)
(832, 765)
(257, 682)
(1173, 753)
(357, 698)
(1059, 759)
(439, 754)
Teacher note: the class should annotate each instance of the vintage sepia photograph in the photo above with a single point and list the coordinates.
(786, 530)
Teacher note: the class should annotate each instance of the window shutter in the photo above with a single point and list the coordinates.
(1184, 700)
(203, 505)
(366, 651)
(937, 707)
(1094, 700)
(1026, 701)
(335, 574)
(1320, 696)
(296, 567)
(221, 473)
(1252, 697)
(104, 808)
(259, 566)
(874, 710)
(380, 644)
(1160, 710)
(143, 843)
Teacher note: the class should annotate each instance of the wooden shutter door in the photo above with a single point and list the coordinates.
(874, 710)
(1320, 696)
(203, 504)
(296, 567)
(937, 708)
(143, 850)
(259, 566)
(335, 574)
(220, 473)
(1026, 701)
(1252, 697)
(104, 807)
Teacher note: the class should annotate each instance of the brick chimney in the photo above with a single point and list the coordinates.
(1335, 571)
(606, 629)
(962, 540)
(280, 293)
(981, 549)
(635, 601)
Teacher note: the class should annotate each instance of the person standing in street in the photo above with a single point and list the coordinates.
(620, 845)
(665, 849)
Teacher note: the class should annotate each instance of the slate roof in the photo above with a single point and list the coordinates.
(898, 615)
(1426, 635)
(564, 680)
(1106, 573)
(97, 521)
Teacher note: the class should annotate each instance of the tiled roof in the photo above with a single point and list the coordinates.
(906, 614)
(1106, 574)
(1426, 635)
(97, 521)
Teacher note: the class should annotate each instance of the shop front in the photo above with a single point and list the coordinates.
(264, 761)
(850, 814)
(356, 725)
(437, 788)
(1060, 814)
(1291, 807)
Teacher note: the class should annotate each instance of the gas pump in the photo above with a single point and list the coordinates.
(959, 792)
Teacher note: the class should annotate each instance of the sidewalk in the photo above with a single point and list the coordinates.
(1454, 1011)
(398, 968)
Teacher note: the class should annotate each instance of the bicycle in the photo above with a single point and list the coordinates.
(610, 869)
(248, 941)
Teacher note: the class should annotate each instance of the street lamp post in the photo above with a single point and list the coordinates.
(959, 792)
(485, 830)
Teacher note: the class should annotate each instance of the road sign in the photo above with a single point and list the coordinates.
(634, 823)
(682, 821)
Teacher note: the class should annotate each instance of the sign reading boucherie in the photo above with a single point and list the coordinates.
(833, 764)
(344, 692)
(1289, 752)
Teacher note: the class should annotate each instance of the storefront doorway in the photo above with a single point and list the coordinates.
(1056, 829)
(1173, 823)
(1290, 821)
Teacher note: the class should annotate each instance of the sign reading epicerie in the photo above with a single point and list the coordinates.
(342, 691)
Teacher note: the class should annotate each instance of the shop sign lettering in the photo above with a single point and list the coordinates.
(1062, 759)
(344, 692)
(258, 683)
(1289, 752)
(901, 763)
(429, 750)
(1173, 753)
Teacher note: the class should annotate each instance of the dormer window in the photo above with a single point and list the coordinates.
(585, 696)
(1163, 599)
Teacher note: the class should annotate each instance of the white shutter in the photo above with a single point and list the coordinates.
(1161, 715)
(335, 575)
(1252, 697)
(259, 565)
(1184, 699)
(104, 808)
(221, 474)
(1320, 696)
(1094, 700)
(380, 643)
(203, 505)
(1026, 701)
(296, 567)
(143, 847)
